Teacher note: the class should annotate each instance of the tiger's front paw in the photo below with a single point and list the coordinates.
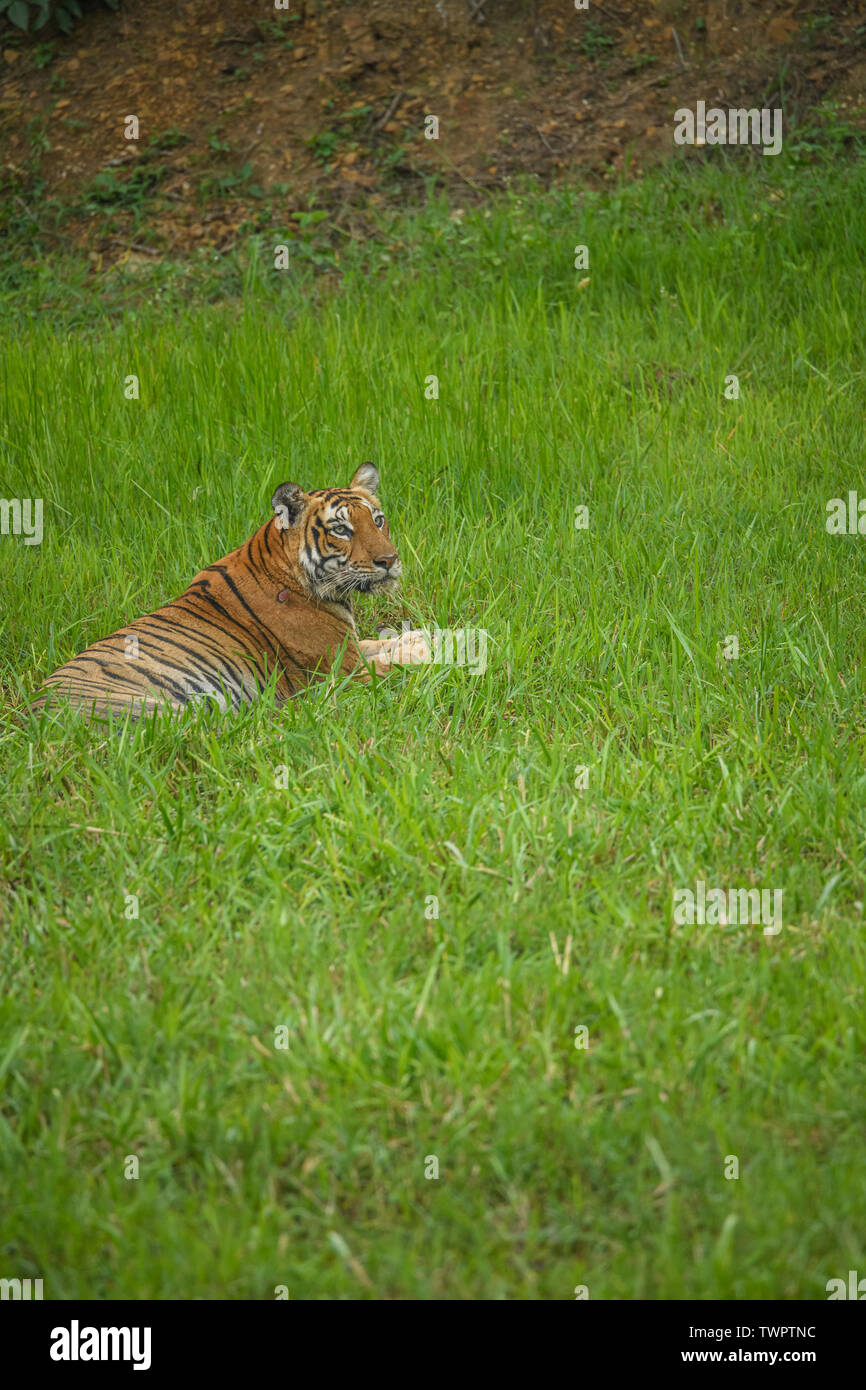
(407, 649)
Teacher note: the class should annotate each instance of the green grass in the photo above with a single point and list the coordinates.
(260, 907)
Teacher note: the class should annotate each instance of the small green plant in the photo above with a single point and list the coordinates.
(357, 115)
(815, 26)
(309, 218)
(108, 190)
(166, 140)
(394, 159)
(37, 138)
(324, 145)
(352, 123)
(277, 27)
(596, 42)
(218, 185)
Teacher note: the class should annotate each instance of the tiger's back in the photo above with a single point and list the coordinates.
(211, 642)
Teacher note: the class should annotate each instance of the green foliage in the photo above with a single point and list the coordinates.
(596, 42)
(231, 182)
(108, 189)
(816, 25)
(278, 26)
(167, 140)
(35, 14)
(324, 145)
(826, 128)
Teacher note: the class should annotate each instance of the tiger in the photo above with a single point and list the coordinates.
(276, 609)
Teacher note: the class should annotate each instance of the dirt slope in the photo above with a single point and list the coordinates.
(240, 103)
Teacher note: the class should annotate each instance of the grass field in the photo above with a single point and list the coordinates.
(412, 1036)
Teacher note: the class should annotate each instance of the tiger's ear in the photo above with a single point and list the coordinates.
(367, 476)
(288, 503)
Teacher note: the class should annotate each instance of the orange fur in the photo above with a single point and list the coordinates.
(279, 603)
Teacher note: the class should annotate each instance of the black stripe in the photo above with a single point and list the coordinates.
(230, 584)
(203, 618)
(208, 644)
(215, 670)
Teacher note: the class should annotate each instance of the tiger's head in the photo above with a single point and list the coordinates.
(342, 538)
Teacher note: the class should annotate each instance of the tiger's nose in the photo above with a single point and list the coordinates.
(386, 561)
